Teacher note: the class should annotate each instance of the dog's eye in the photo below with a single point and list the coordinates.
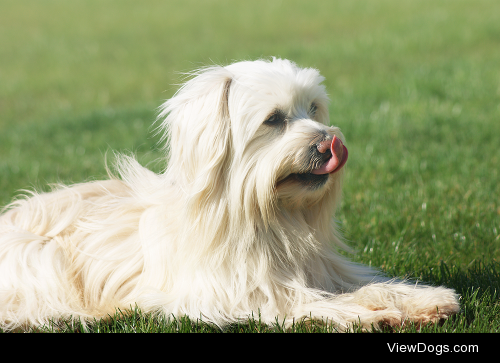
(277, 118)
(313, 109)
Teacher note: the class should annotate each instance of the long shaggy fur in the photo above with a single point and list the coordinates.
(235, 226)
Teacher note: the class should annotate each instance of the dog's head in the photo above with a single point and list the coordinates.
(257, 134)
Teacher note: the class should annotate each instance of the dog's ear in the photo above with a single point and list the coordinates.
(196, 123)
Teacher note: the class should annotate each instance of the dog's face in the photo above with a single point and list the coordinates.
(279, 121)
(258, 128)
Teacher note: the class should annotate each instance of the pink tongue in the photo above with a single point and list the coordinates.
(337, 161)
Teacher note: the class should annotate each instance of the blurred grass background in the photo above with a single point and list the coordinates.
(414, 86)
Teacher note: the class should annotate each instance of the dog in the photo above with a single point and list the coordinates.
(238, 224)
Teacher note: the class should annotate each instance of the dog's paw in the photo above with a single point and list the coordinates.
(420, 304)
(375, 320)
(431, 304)
(433, 313)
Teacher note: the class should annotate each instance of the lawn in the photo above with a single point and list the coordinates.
(414, 86)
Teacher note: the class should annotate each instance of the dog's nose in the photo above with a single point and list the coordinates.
(334, 154)
(323, 146)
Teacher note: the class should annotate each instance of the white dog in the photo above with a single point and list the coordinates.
(239, 223)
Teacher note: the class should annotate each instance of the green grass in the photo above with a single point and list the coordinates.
(414, 85)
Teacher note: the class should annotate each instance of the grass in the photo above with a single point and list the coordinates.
(415, 87)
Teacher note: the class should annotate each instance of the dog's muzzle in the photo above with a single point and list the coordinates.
(327, 157)
(337, 159)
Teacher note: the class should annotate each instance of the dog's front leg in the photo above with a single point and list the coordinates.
(342, 313)
(418, 303)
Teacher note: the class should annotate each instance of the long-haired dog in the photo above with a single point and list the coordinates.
(239, 224)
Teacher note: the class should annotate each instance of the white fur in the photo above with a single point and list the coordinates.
(220, 235)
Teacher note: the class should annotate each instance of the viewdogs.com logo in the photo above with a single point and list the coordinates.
(432, 348)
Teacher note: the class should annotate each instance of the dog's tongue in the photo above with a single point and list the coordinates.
(337, 161)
